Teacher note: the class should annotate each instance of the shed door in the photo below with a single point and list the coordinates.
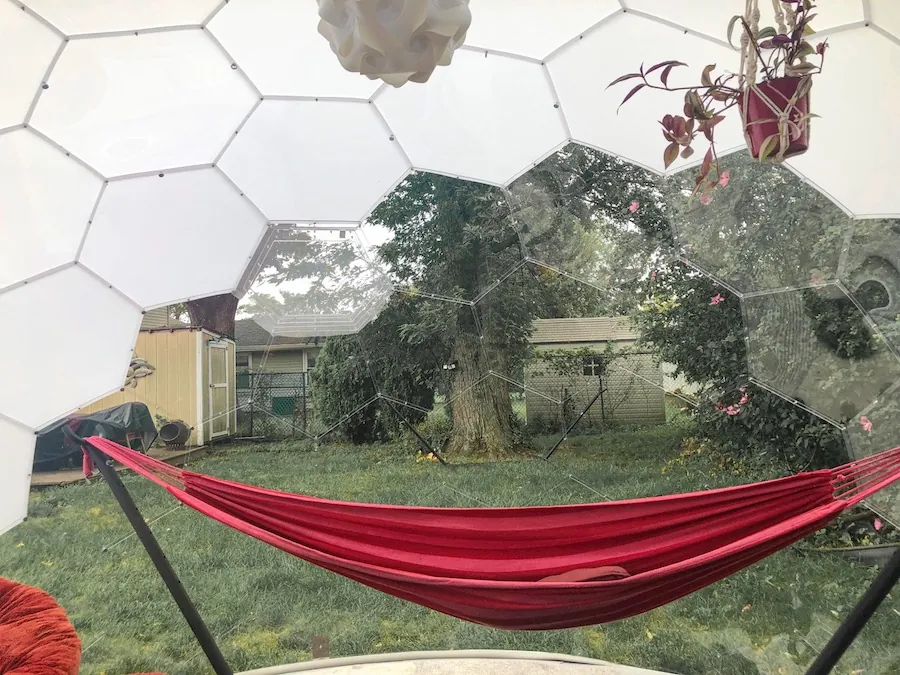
(219, 419)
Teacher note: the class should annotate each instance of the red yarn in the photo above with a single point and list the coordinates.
(36, 637)
(87, 464)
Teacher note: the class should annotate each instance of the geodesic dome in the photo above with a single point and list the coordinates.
(149, 151)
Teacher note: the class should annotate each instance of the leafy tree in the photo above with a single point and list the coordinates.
(765, 231)
(462, 252)
(352, 370)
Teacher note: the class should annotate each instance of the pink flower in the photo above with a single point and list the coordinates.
(815, 278)
(634, 206)
(716, 299)
(878, 524)
(653, 275)
(724, 177)
(742, 388)
(865, 423)
(744, 399)
(731, 411)
(706, 200)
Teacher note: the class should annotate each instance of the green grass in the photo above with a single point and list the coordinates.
(265, 606)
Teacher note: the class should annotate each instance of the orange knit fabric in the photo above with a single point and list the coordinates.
(36, 637)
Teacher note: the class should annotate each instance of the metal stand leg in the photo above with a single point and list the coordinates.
(412, 427)
(572, 425)
(173, 583)
(847, 631)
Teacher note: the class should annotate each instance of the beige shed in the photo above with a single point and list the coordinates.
(192, 378)
(571, 364)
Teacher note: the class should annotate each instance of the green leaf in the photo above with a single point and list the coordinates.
(802, 89)
(768, 146)
(704, 76)
(731, 24)
(805, 49)
(765, 33)
(803, 67)
(687, 152)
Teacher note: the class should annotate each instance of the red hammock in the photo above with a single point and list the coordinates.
(533, 568)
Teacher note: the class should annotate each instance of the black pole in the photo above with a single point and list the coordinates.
(412, 428)
(173, 583)
(859, 615)
(572, 425)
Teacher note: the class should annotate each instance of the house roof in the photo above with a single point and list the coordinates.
(588, 329)
(248, 333)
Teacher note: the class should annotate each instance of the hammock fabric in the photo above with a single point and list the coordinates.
(36, 637)
(533, 568)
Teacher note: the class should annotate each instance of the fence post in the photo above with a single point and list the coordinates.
(252, 400)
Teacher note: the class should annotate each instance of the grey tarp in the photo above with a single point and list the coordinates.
(55, 450)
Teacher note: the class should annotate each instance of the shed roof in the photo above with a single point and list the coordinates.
(587, 329)
(248, 333)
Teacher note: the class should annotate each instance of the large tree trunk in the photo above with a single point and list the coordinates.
(215, 313)
(482, 412)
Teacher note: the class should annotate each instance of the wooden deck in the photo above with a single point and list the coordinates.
(71, 476)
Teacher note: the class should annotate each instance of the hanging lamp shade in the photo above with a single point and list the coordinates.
(397, 41)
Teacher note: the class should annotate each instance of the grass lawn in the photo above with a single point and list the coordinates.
(265, 606)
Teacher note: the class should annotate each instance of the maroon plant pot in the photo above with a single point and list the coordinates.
(779, 92)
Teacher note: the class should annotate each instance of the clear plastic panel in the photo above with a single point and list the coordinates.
(815, 347)
(306, 282)
(762, 230)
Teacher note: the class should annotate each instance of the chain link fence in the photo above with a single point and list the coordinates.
(273, 405)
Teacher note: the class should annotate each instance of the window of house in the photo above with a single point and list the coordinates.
(592, 366)
(242, 360)
(311, 360)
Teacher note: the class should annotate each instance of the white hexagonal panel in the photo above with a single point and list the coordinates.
(185, 235)
(488, 118)
(68, 342)
(613, 50)
(277, 42)
(315, 160)
(46, 201)
(17, 453)
(839, 93)
(30, 45)
(533, 28)
(77, 17)
(711, 18)
(145, 102)
(886, 15)
(307, 282)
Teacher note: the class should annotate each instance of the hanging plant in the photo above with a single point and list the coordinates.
(771, 91)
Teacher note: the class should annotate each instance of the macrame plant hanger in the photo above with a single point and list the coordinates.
(786, 21)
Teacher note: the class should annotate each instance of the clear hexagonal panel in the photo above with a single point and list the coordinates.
(877, 428)
(568, 220)
(871, 272)
(763, 228)
(303, 288)
(306, 282)
(817, 348)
